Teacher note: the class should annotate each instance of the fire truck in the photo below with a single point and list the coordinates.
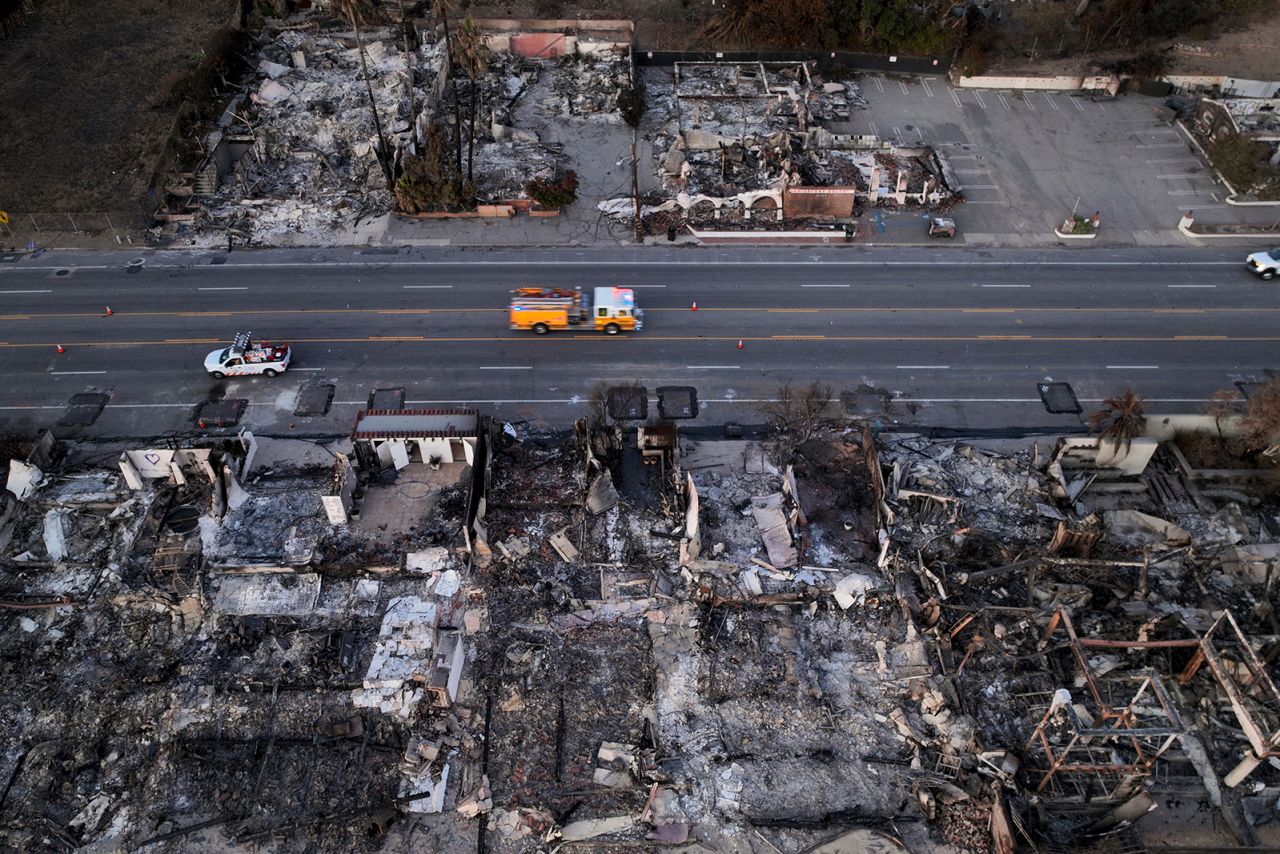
(545, 309)
(245, 358)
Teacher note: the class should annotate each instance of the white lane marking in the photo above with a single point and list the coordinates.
(1006, 286)
(826, 286)
(903, 84)
(1192, 286)
(978, 97)
(426, 287)
(1133, 367)
(505, 367)
(924, 81)
(26, 292)
(1003, 102)
(306, 369)
(646, 286)
(923, 367)
(1052, 103)
(222, 289)
(711, 367)
(955, 97)
(74, 373)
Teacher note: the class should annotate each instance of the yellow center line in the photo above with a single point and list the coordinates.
(119, 316)
(641, 339)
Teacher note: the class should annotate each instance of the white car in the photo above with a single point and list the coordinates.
(1265, 264)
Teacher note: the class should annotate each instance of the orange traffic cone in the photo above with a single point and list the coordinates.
(60, 350)
(109, 311)
(695, 306)
(739, 343)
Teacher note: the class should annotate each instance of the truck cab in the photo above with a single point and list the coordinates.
(245, 358)
(615, 310)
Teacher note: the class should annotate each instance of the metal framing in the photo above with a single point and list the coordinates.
(1105, 759)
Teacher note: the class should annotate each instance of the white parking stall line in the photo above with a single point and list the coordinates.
(1176, 176)
(955, 97)
(973, 202)
(924, 81)
(978, 97)
(1075, 102)
(897, 134)
(1052, 103)
(1186, 161)
(879, 82)
(971, 171)
(874, 132)
(1003, 102)
(920, 134)
(981, 187)
(1150, 146)
(903, 84)
(1026, 99)
(1190, 192)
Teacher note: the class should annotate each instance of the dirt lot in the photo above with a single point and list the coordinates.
(79, 86)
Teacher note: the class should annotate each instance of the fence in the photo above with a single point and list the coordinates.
(39, 229)
(823, 59)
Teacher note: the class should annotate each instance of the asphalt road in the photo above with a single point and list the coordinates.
(957, 339)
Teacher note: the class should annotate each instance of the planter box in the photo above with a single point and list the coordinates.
(1070, 236)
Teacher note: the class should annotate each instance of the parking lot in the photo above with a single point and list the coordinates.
(1025, 159)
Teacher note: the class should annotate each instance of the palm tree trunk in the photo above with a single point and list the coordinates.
(408, 63)
(471, 133)
(384, 153)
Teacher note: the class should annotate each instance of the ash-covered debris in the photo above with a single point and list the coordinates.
(298, 157)
(618, 636)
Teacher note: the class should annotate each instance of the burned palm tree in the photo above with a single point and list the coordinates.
(473, 58)
(1120, 420)
(441, 9)
(351, 10)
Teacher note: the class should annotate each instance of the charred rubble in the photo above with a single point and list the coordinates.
(492, 637)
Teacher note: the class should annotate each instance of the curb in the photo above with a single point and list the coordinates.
(1089, 236)
(1248, 235)
(1233, 196)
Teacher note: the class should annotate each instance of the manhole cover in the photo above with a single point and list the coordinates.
(182, 520)
(314, 399)
(675, 402)
(62, 272)
(387, 398)
(628, 403)
(213, 414)
(1059, 398)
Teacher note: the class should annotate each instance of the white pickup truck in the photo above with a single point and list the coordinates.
(245, 358)
(1265, 264)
